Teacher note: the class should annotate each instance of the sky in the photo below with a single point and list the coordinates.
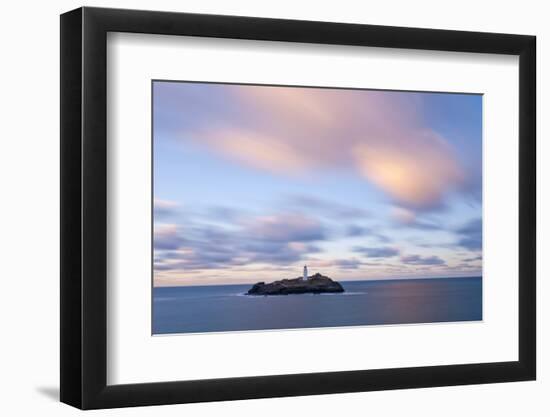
(252, 182)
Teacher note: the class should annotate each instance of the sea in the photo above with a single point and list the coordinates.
(226, 308)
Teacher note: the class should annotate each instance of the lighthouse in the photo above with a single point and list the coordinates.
(305, 273)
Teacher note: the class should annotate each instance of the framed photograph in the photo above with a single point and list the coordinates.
(257, 207)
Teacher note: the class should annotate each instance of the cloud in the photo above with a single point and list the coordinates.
(417, 171)
(347, 263)
(381, 252)
(406, 217)
(419, 260)
(286, 228)
(327, 208)
(296, 131)
(358, 231)
(403, 215)
(167, 237)
(164, 208)
(280, 239)
(259, 150)
(283, 254)
(473, 259)
(355, 230)
(223, 213)
(470, 235)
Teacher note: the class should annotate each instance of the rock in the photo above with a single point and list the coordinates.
(316, 284)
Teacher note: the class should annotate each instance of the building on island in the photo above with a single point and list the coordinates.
(305, 273)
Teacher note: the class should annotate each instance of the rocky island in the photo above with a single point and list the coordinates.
(314, 284)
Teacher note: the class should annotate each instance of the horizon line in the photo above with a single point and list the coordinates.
(352, 280)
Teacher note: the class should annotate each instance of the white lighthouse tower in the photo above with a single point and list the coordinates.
(305, 273)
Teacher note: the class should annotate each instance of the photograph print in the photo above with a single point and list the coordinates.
(297, 207)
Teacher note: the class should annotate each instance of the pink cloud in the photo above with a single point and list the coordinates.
(164, 204)
(379, 135)
(258, 150)
(416, 171)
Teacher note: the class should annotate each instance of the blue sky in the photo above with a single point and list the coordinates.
(253, 182)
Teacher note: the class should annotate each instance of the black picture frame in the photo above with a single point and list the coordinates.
(84, 207)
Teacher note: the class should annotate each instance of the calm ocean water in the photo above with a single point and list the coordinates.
(225, 308)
